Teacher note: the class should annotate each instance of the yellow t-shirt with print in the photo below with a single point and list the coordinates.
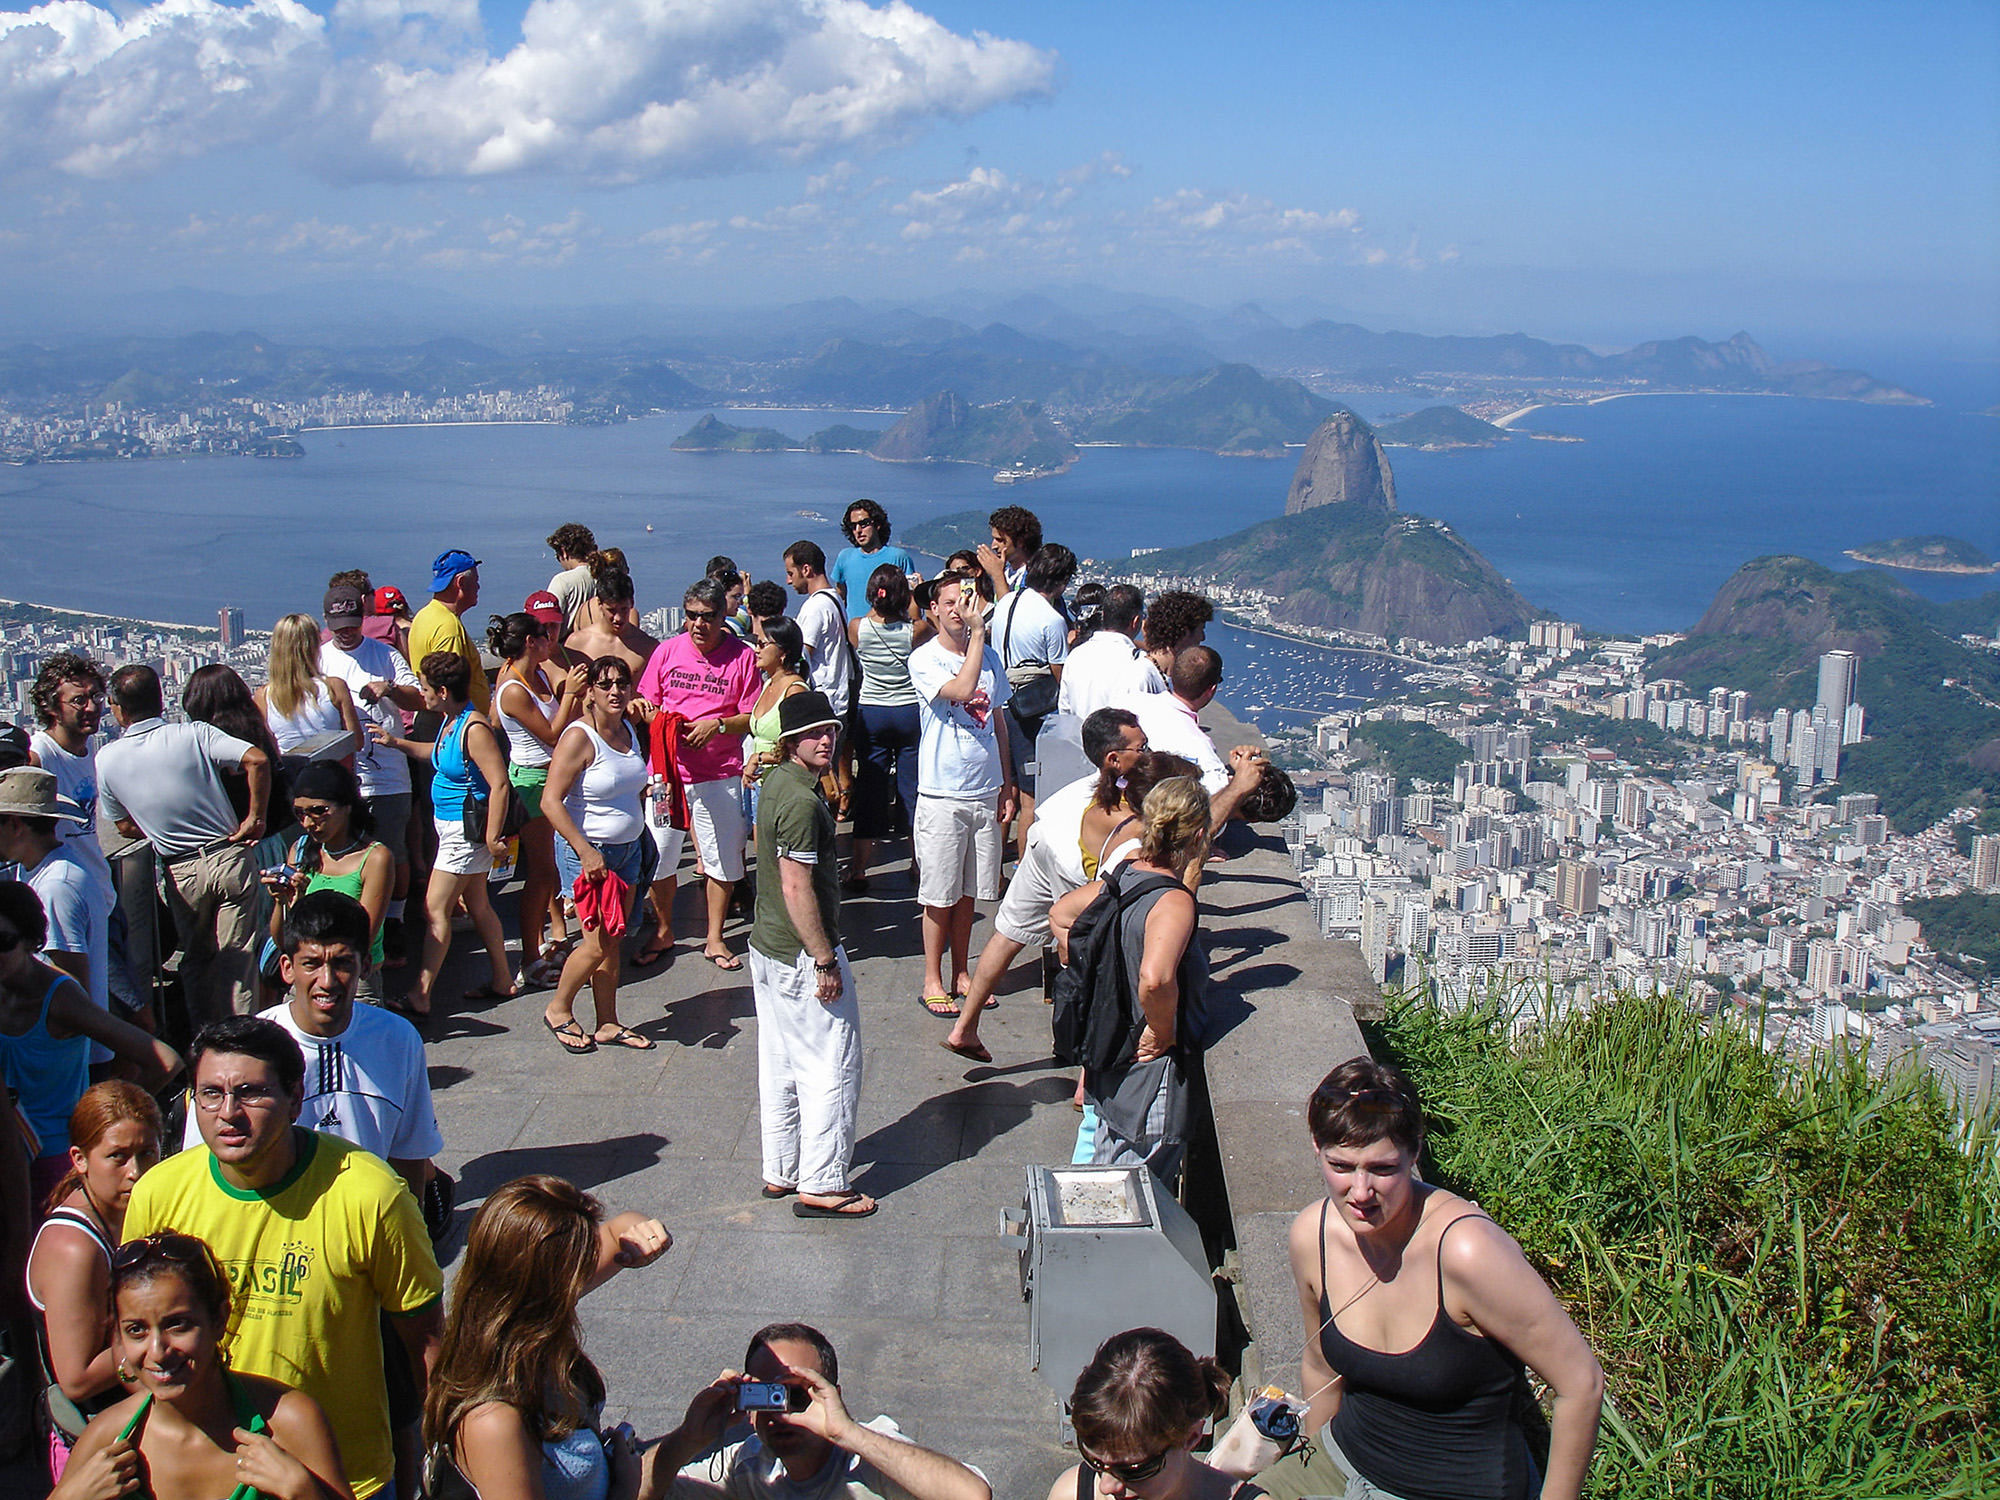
(437, 628)
(312, 1261)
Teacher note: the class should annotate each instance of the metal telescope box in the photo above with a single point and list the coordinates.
(1107, 1249)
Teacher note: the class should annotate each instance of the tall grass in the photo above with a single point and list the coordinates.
(1790, 1269)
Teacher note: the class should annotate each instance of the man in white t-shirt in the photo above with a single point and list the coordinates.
(1052, 867)
(381, 683)
(572, 544)
(366, 1076)
(1032, 634)
(1109, 668)
(76, 898)
(963, 781)
(823, 622)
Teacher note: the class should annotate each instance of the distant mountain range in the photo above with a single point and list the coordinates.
(1155, 374)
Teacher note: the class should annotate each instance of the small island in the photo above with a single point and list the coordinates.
(710, 436)
(1925, 554)
(1441, 428)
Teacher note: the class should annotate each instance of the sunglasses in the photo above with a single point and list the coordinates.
(183, 1249)
(613, 684)
(1127, 1474)
(312, 809)
(701, 614)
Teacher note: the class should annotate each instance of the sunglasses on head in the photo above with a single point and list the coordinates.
(182, 1249)
(1127, 1474)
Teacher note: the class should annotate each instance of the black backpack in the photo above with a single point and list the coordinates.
(1097, 1018)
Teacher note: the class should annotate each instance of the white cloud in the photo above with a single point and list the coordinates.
(616, 89)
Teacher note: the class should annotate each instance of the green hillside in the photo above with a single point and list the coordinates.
(1440, 427)
(711, 436)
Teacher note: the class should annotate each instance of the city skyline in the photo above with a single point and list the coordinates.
(1812, 173)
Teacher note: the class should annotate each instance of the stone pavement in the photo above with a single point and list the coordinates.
(922, 1300)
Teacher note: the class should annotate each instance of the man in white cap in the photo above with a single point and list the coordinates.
(808, 1017)
(75, 897)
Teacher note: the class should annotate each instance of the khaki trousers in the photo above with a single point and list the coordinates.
(213, 896)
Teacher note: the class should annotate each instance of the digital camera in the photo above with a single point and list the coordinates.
(770, 1395)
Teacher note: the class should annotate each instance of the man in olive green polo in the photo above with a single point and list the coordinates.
(808, 1019)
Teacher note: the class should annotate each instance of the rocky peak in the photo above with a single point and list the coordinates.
(1343, 464)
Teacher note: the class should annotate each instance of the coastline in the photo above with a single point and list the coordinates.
(90, 614)
(1953, 570)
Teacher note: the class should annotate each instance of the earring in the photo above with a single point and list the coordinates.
(126, 1374)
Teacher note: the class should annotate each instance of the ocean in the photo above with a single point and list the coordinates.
(1632, 529)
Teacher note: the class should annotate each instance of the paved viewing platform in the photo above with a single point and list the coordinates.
(923, 1299)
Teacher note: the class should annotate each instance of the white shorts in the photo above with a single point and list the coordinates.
(455, 856)
(1037, 885)
(715, 808)
(958, 849)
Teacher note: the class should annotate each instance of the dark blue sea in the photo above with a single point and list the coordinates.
(1632, 529)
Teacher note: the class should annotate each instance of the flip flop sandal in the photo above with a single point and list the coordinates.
(626, 1037)
(942, 1006)
(768, 1191)
(840, 1210)
(654, 953)
(569, 1029)
(729, 963)
(974, 1050)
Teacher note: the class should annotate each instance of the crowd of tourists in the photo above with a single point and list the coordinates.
(240, 1294)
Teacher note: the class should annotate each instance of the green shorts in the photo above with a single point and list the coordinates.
(528, 782)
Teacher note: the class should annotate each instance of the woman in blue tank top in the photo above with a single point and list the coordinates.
(1420, 1315)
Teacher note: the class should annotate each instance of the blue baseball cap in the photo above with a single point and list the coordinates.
(448, 566)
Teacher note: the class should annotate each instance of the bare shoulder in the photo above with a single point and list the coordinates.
(1471, 1244)
(1304, 1240)
(1065, 1487)
(490, 1425)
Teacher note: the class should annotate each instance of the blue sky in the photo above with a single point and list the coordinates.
(1811, 172)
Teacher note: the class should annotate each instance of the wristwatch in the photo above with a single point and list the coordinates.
(827, 966)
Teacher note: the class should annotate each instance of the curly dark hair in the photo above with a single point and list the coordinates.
(64, 667)
(1173, 617)
(1019, 525)
(572, 539)
(874, 513)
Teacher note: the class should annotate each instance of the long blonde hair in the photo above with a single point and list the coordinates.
(295, 672)
(512, 1334)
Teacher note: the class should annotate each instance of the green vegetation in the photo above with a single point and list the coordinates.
(1925, 554)
(1441, 427)
(710, 436)
(1965, 926)
(1012, 435)
(841, 438)
(1415, 752)
(37, 614)
(1640, 741)
(1790, 1271)
(943, 535)
(1230, 409)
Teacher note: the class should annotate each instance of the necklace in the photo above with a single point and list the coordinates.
(345, 850)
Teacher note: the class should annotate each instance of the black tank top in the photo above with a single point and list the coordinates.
(1435, 1422)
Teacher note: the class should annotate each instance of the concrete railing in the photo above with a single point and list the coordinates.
(1286, 1002)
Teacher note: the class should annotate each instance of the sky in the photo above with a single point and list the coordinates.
(1824, 175)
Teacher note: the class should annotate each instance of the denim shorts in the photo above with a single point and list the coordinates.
(623, 860)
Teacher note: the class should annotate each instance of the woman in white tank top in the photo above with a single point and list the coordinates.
(594, 800)
(532, 708)
(300, 701)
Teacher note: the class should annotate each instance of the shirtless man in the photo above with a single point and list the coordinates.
(610, 625)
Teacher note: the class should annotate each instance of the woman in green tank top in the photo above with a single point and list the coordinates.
(337, 853)
(781, 657)
(193, 1427)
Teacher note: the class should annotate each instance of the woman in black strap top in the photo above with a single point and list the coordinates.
(1420, 1314)
(192, 1427)
(1139, 1407)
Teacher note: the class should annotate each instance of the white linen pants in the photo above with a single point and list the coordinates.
(808, 1073)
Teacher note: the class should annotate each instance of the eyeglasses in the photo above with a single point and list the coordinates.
(691, 615)
(1127, 1474)
(164, 1245)
(210, 1100)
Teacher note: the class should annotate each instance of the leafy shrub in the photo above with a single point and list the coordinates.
(1790, 1269)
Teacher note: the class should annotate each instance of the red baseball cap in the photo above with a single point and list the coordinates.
(389, 600)
(544, 606)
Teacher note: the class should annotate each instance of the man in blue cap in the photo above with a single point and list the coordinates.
(438, 627)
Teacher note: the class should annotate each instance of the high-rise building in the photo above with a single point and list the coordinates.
(229, 620)
(1853, 724)
(1576, 886)
(1836, 684)
(1986, 862)
(1631, 814)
